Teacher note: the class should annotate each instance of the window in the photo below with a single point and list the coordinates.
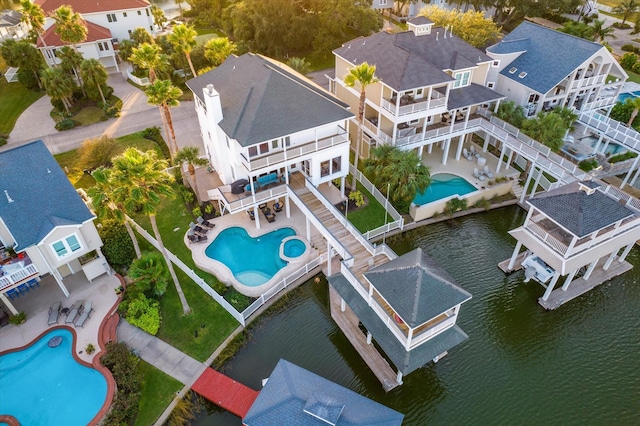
(139, 13)
(129, 33)
(66, 246)
(287, 141)
(147, 10)
(253, 151)
(103, 45)
(382, 2)
(495, 64)
(324, 169)
(336, 165)
(274, 144)
(111, 17)
(462, 79)
(151, 28)
(264, 148)
(124, 14)
(491, 85)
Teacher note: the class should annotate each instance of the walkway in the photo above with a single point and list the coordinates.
(225, 392)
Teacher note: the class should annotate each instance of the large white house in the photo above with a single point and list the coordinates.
(107, 22)
(540, 68)
(45, 226)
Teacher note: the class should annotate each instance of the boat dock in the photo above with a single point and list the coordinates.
(505, 263)
(225, 392)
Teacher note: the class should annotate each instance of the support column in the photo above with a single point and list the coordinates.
(369, 338)
(8, 304)
(500, 155)
(633, 181)
(625, 253)
(459, 150)
(329, 257)
(399, 378)
(590, 269)
(343, 305)
(595, 148)
(256, 215)
(512, 261)
(537, 182)
(527, 182)
(485, 146)
(509, 158)
(420, 151)
(343, 179)
(447, 143)
(626, 178)
(565, 286)
(308, 228)
(551, 285)
(430, 148)
(609, 261)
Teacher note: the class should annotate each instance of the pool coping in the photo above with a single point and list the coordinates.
(225, 275)
(95, 364)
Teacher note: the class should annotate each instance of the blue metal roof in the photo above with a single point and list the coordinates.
(295, 396)
(36, 195)
(548, 56)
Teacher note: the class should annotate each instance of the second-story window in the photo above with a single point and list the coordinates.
(66, 246)
(462, 79)
(111, 17)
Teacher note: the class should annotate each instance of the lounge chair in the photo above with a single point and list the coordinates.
(466, 154)
(269, 215)
(477, 174)
(54, 313)
(85, 314)
(277, 207)
(488, 172)
(251, 214)
(205, 223)
(13, 294)
(74, 311)
(196, 238)
(198, 229)
(473, 152)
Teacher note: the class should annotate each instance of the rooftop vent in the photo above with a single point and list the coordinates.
(588, 187)
(324, 407)
(513, 70)
(522, 74)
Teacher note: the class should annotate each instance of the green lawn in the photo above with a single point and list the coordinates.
(369, 217)
(158, 390)
(14, 100)
(633, 76)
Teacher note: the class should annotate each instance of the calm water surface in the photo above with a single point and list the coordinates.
(521, 365)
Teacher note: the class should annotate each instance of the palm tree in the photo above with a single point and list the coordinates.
(149, 57)
(191, 156)
(300, 65)
(218, 49)
(635, 103)
(158, 16)
(511, 113)
(94, 74)
(33, 15)
(70, 61)
(59, 85)
(165, 95)
(107, 206)
(23, 55)
(362, 75)
(72, 29)
(141, 180)
(626, 9)
(547, 128)
(600, 32)
(183, 39)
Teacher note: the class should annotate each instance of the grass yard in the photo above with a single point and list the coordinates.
(369, 217)
(158, 390)
(14, 100)
(633, 76)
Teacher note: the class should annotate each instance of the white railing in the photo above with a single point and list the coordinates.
(259, 198)
(589, 81)
(600, 103)
(295, 151)
(199, 281)
(541, 233)
(613, 129)
(421, 105)
(618, 194)
(17, 276)
(370, 126)
(543, 181)
(140, 81)
(439, 133)
(290, 279)
(433, 331)
(385, 250)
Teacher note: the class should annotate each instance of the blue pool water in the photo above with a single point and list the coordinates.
(624, 96)
(443, 185)
(253, 261)
(46, 386)
(294, 248)
(612, 148)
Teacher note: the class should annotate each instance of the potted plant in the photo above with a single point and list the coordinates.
(18, 318)
(90, 349)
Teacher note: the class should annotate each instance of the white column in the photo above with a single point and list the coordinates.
(565, 286)
(590, 269)
(528, 181)
(459, 150)
(343, 179)
(625, 253)
(447, 143)
(256, 215)
(500, 155)
(485, 146)
(609, 260)
(54, 272)
(399, 378)
(430, 148)
(626, 178)
(552, 284)
(509, 158)
(329, 258)
(633, 181)
(407, 345)
(535, 185)
(597, 145)
(512, 261)
(368, 338)
(8, 304)
(308, 228)
(420, 151)
(343, 305)
(287, 206)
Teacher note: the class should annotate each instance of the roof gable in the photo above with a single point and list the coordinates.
(35, 195)
(95, 32)
(92, 6)
(262, 101)
(548, 56)
(416, 287)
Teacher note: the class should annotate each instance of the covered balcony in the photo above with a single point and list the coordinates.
(15, 270)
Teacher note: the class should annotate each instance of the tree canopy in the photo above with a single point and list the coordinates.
(470, 26)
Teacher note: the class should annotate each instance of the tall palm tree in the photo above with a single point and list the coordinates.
(183, 39)
(149, 57)
(94, 74)
(141, 180)
(34, 16)
(405, 174)
(218, 49)
(362, 76)
(600, 32)
(23, 55)
(191, 156)
(72, 29)
(635, 102)
(626, 9)
(70, 61)
(511, 113)
(165, 95)
(547, 128)
(59, 85)
(107, 206)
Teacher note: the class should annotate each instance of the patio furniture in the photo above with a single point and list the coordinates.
(237, 187)
(459, 116)
(277, 207)
(33, 283)
(205, 223)
(472, 151)
(466, 154)
(488, 172)
(477, 175)
(13, 294)
(23, 288)
(481, 161)
(76, 309)
(84, 316)
(198, 229)
(269, 215)
(446, 117)
(251, 214)
(195, 238)
(54, 313)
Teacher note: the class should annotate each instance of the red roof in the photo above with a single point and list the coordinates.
(225, 392)
(92, 6)
(95, 32)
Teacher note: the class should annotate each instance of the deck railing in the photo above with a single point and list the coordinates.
(552, 241)
(20, 275)
(419, 105)
(613, 129)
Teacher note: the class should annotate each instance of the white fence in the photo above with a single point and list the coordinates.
(144, 81)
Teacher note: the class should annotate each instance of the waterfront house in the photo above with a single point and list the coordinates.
(11, 25)
(583, 229)
(45, 226)
(295, 396)
(408, 305)
(108, 22)
(540, 68)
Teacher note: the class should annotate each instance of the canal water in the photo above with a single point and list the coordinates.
(521, 364)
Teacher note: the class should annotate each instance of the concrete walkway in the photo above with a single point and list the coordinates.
(161, 355)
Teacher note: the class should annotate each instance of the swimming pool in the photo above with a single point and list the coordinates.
(612, 148)
(443, 185)
(44, 386)
(624, 96)
(293, 247)
(253, 261)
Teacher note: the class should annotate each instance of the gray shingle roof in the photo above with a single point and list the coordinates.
(416, 288)
(549, 55)
(474, 94)
(291, 390)
(420, 20)
(43, 198)
(405, 61)
(262, 101)
(578, 212)
(405, 361)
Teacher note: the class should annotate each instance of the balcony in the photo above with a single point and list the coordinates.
(588, 81)
(16, 270)
(409, 105)
(293, 152)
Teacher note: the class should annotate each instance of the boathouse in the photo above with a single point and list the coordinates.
(410, 309)
(578, 229)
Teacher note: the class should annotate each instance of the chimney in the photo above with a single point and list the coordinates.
(212, 102)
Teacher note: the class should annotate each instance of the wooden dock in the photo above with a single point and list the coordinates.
(348, 323)
(225, 392)
(503, 265)
(580, 286)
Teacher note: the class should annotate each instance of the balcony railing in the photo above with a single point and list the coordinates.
(293, 152)
(416, 106)
(12, 276)
(589, 81)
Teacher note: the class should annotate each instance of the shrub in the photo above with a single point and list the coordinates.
(196, 212)
(150, 274)
(27, 79)
(125, 368)
(628, 60)
(621, 26)
(153, 134)
(357, 197)
(636, 67)
(3, 141)
(98, 152)
(630, 48)
(588, 165)
(18, 319)
(118, 247)
(622, 157)
(453, 205)
(90, 348)
(66, 124)
(143, 313)
(483, 203)
(237, 300)
(208, 208)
